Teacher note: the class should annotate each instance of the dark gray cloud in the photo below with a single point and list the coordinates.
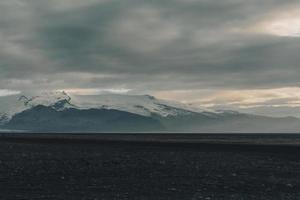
(145, 45)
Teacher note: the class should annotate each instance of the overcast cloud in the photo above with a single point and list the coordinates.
(157, 47)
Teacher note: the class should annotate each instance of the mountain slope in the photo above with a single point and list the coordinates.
(139, 104)
(11, 105)
(47, 119)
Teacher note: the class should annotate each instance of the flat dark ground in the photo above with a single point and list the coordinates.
(149, 167)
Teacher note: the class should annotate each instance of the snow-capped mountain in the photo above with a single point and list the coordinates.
(60, 112)
(145, 105)
(13, 104)
(138, 104)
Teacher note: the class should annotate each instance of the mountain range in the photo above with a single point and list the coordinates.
(60, 112)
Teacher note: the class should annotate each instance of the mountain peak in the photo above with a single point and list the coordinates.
(45, 98)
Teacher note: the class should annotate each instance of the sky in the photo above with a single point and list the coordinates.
(230, 54)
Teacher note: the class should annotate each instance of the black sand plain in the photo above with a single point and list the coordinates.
(149, 166)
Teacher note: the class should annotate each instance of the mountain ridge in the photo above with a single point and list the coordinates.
(57, 111)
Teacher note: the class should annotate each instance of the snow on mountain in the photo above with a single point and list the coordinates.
(10, 105)
(57, 100)
(141, 110)
(139, 104)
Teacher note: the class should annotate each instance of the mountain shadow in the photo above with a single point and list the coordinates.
(46, 119)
